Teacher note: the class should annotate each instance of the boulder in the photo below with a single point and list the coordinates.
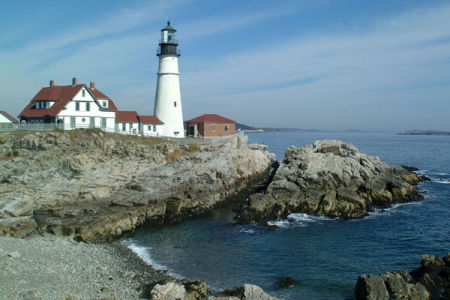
(169, 291)
(246, 292)
(333, 179)
(430, 281)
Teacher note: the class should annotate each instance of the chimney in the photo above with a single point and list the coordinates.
(74, 81)
(52, 83)
(92, 85)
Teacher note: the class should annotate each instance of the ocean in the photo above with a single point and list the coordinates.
(324, 256)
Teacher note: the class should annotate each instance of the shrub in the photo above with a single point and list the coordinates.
(194, 148)
(173, 155)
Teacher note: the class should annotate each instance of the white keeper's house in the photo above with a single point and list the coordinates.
(79, 106)
(71, 106)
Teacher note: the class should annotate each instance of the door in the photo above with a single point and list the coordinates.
(92, 123)
(72, 122)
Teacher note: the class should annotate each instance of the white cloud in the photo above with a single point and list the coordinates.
(381, 70)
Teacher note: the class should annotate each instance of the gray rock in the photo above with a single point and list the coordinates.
(169, 291)
(30, 295)
(246, 292)
(430, 281)
(98, 186)
(333, 179)
(254, 292)
(14, 254)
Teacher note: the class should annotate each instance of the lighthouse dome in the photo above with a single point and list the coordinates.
(168, 28)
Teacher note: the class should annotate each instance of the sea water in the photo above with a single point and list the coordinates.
(324, 256)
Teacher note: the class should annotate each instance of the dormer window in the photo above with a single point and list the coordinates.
(83, 92)
(104, 103)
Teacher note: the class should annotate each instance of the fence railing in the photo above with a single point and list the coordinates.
(52, 126)
(202, 140)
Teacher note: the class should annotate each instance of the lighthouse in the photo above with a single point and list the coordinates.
(168, 106)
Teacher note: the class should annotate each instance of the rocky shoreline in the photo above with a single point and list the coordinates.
(53, 267)
(430, 281)
(90, 186)
(333, 179)
(96, 186)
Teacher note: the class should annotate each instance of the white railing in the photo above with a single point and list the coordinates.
(203, 140)
(52, 126)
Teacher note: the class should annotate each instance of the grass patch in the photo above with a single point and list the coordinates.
(193, 148)
(173, 155)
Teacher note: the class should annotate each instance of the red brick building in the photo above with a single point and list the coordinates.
(210, 125)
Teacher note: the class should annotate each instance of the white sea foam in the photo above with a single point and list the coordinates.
(389, 210)
(144, 253)
(445, 181)
(249, 231)
(298, 220)
(280, 224)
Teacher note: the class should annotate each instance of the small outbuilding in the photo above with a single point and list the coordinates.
(210, 125)
(150, 125)
(127, 122)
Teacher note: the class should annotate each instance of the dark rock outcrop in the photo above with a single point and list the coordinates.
(96, 186)
(333, 179)
(430, 281)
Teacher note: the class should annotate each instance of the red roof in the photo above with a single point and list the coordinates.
(150, 120)
(210, 118)
(97, 94)
(62, 94)
(126, 116)
(8, 116)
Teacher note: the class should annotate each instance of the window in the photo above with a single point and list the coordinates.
(38, 105)
(154, 127)
(83, 92)
(175, 104)
(226, 127)
(131, 125)
(83, 120)
(77, 106)
(124, 126)
(213, 128)
(88, 107)
(104, 103)
(149, 127)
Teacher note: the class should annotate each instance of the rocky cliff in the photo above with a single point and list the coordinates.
(333, 179)
(430, 281)
(96, 186)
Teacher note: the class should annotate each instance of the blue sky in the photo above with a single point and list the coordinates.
(301, 64)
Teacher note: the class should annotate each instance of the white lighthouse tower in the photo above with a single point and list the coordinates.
(168, 98)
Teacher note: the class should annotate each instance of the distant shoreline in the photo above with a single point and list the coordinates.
(424, 133)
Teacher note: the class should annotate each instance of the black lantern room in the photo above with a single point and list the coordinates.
(168, 43)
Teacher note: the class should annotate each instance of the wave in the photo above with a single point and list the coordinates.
(389, 210)
(298, 220)
(144, 253)
(248, 231)
(438, 177)
(446, 181)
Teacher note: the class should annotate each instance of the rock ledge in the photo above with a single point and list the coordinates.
(333, 179)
